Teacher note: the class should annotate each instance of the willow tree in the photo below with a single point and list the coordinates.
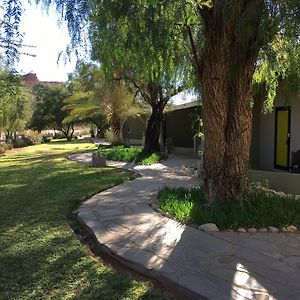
(237, 39)
(134, 40)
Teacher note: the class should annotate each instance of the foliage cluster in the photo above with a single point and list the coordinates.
(48, 112)
(95, 99)
(129, 154)
(16, 103)
(252, 211)
(4, 147)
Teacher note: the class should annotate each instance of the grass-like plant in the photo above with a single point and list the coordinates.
(40, 256)
(259, 209)
(129, 154)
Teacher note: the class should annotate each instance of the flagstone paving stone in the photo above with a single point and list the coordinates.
(214, 265)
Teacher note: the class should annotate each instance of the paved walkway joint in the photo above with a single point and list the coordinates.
(224, 265)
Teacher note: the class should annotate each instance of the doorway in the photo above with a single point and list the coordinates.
(282, 138)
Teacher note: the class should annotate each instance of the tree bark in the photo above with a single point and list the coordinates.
(228, 66)
(117, 130)
(68, 131)
(153, 129)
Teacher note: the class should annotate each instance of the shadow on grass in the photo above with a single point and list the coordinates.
(40, 257)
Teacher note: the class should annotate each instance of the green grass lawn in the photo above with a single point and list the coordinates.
(40, 256)
(259, 209)
(129, 154)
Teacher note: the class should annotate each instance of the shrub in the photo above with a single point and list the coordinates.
(129, 154)
(109, 136)
(4, 147)
(36, 137)
(23, 141)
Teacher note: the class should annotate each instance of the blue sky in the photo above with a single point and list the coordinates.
(42, 31)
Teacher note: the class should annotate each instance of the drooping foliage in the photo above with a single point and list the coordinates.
(132, 41)
(11, 106)
(136, 40)
(15, 103)
(10, 36)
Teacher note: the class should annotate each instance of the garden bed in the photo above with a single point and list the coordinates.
(129, 154)
(262, 210)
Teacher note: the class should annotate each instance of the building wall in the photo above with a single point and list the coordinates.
(264, 129)
(179, 126)
(134, 129)
(255, 140)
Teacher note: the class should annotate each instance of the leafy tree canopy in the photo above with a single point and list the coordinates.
(15, 103)
(48, 112)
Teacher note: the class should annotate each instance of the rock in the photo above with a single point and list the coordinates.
(252, 230)
(154, 206)
(98, 161)
(168, 215)
(284, 229)
(263, 229)
(241, 230)
(291, 228)
(273, 229)
(209, 227)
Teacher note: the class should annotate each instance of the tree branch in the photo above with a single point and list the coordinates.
(194, 51)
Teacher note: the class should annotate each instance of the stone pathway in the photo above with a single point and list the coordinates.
(225, 265)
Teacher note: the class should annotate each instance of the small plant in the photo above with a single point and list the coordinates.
(35, 136)
(109, 136)
(97, 153)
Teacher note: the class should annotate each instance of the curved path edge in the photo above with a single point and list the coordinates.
(202, 265)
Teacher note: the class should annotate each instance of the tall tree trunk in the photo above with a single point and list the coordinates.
(117, 130)
(228, 65)
(153, 128)
(68, 131)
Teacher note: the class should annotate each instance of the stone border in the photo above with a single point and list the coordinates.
(211, 227)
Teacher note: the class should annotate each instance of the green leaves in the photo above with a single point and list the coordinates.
(94, 97)
(48, 111)
(10, 36)
(15, 102)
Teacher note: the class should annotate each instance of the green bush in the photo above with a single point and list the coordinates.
(129, 154)
(260, 208)
(109, 136)
(36, 137)
(23, 141)
(4, 147)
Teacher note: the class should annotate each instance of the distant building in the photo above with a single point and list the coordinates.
(32, 79)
